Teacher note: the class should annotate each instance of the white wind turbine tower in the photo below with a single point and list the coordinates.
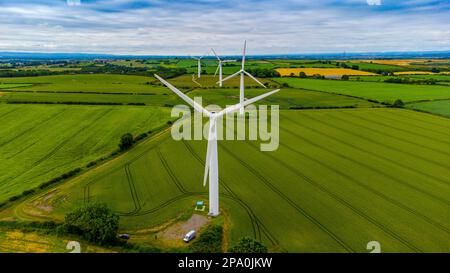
(211, 164)
(219, 67)
(199, 65)
(242, 72)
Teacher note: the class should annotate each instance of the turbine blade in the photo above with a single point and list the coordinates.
(190, 101)
(217, 70)
(243, 55)
(217, 56)
(238, 106)
(232, 76)
(255, 79)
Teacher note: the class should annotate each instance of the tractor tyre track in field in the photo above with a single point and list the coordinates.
(133, 191)
(429, 195)
(289, 201)
(444, 135)
(389, 135)
(381, 195)
(421, 120)
(377, 142)
(348, 144)
(59, 146)
(169, 171)
(32, 127)
(402, 130)
(340, 200)
(9, 112)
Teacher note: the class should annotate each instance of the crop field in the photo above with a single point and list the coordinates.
(286, 98)
(414, 73)
(14, 241)
(185, 81)
(12, 85)
(340, 179)
(322, 71)
(93, 98)
(41, 142)
(97, 83)
(405, 62)
(440, 107)
(383, 92)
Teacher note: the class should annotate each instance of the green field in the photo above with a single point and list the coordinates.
(383, 92)
(286, 98)
(340, 179)
(440, 107)
(208, 81)
(78, 98)
(40, 142)
(99, 83)
(12, 85)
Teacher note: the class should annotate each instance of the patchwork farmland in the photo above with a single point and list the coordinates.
(350, 168)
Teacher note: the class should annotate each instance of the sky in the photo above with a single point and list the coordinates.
(178, 27)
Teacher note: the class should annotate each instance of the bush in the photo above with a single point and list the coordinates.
(345, 77)
(248, 245)
(94, 222)
(126, 141)
(210, 241)
(398, 103)
(302, 75)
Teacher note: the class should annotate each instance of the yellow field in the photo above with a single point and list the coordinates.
(323, 72)
(403, 62)
(414, 73)
(15, 241)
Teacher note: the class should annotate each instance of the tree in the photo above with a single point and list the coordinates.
(398, 103)
(210, 241)
(302, 75)
(248, 245)
(95, 222)
(345, 77)
(126, 141)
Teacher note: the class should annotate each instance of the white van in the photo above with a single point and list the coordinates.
(189, 236)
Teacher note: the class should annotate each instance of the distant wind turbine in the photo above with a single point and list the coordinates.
(211, 164)
(199, 65)
(219, 67)
(242, 72)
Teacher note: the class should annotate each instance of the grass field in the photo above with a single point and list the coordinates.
(60, 97)
(12, 85)
(100, 83)
(340, 179)
(40, 142)
(209, 81)
(383, 92)
(322, 71)
(440, 107)
(286, 98)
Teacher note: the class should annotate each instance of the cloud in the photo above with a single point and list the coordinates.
(73, 2)
(374, 2)
(192, 27)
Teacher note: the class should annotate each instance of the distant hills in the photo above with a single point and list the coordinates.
(328, 56)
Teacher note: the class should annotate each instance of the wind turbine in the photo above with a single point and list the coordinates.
(219, 67)
(242, 72)
(211, 164)
(199, 65)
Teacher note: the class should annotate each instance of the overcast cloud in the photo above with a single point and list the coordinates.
(191, 27)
